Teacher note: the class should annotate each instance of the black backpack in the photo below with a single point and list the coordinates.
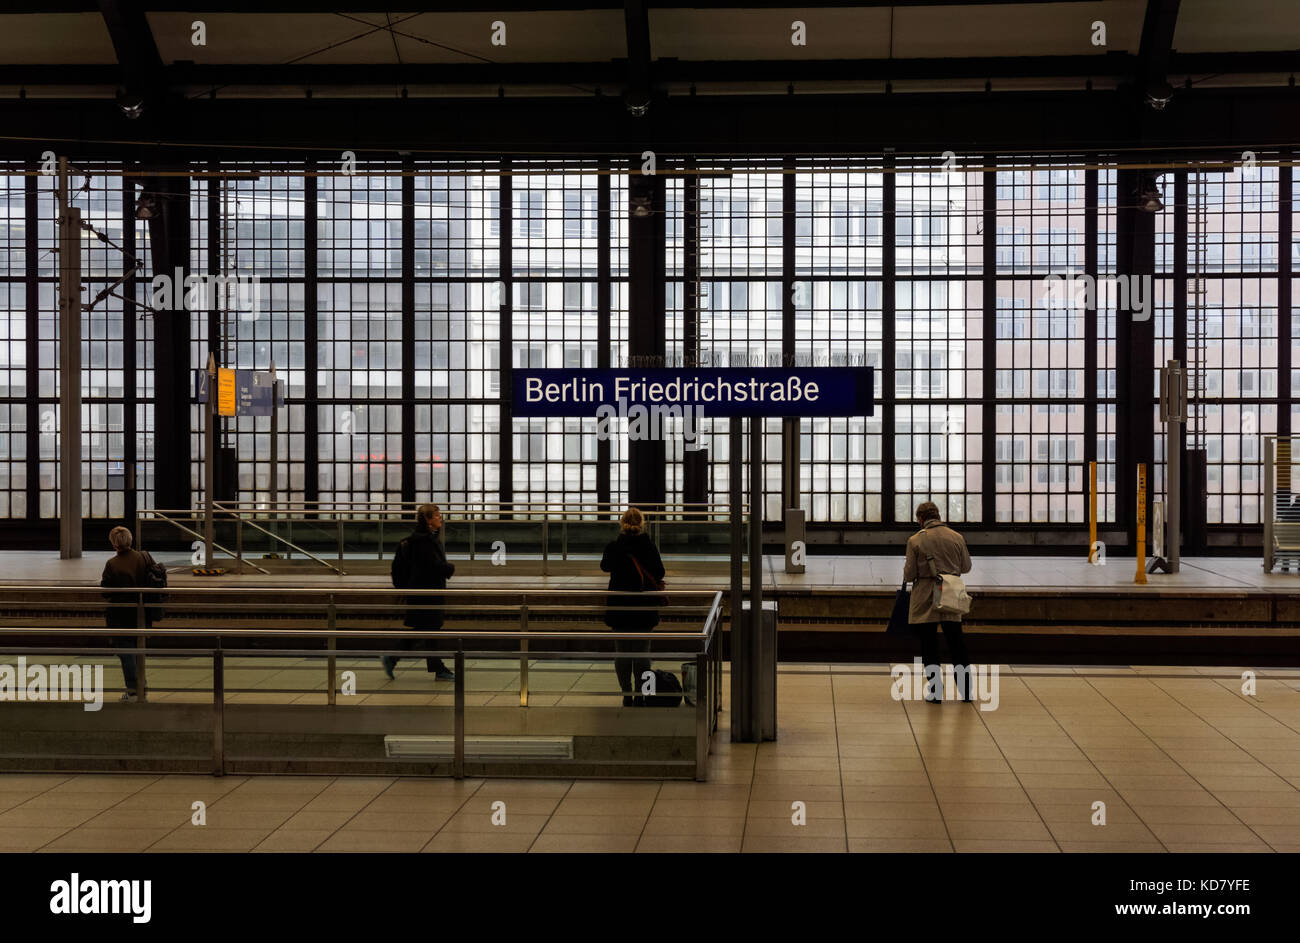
(668, 690)
(155, 576)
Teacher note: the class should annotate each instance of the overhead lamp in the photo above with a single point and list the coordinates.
(130, 103)
(1149, 195)
(146, 207)
(641, 207)
(1159, 95)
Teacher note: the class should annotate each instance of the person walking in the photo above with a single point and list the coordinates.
(125, 569)
(634, 565)
(421, 563)
(934, 550)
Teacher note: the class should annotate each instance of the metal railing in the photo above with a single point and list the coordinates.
(681, 530)
(532, 609)
(1280, 508)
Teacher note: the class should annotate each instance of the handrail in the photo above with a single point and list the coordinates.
(290, 544)
(199, 536)
(434, 634)
(699, 645)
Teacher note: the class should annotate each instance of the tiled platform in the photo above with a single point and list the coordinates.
(1181, 758)
(1239, 574)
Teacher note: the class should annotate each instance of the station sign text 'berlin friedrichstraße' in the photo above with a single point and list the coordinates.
(714, 392)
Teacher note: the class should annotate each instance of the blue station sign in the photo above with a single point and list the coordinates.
(711, 392)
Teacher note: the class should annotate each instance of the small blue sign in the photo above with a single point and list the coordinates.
(720, 391)
(254, 392)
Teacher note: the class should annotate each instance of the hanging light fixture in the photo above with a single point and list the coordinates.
(1149, 197)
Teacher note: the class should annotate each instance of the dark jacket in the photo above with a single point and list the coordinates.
(623, 576)
(124, 568)
(421, 563)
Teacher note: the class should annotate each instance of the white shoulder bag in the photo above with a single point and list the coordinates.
(950, 596)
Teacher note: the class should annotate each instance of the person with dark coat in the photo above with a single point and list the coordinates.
(622, 556)
(126, 568)
(938, 544)
(421, 563)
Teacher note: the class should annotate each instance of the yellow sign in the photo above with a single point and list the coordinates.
(225, 392)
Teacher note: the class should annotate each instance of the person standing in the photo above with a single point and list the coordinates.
(421, 563)
(938, 544)
(633, 564)
(125, 569)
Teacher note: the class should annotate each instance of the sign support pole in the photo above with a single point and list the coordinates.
(209, 461)
(739, 628)
(275, 440)
(1141, 576)
(69, 234)
(753, 650)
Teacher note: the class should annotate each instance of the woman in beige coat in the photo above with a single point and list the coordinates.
(936, 540)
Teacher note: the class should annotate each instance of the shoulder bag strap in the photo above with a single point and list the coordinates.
(934, 569)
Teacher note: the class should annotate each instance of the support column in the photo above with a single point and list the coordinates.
(646, 274)
(310, 333)
(173, 428)
(790, 427)
(695, 462)
(604, 316)
(888, 336)
(988, 408)
(35, 424)
(1135, 350)
(505, 349)
(408, 333)
(130, 396)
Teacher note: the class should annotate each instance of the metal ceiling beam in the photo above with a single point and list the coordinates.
(637, 22)
(140, 65)
(611, 76)
(491, 6)
(1156, 48)
(1057, 122)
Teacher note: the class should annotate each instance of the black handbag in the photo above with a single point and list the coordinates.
(898, 623)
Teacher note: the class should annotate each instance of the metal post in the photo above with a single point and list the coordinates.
(753, 653)
(738, 629)
(218, 713)
(546, 536)
(458, 763)
(1093, 549)
(274, 483)
(1141, 576)
(331, 622)
(523, 656)
(141, 679)
(69, 226)
(340, 523)
(1270, 497)
(703, 700)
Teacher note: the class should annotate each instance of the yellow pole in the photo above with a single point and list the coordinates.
(1092, 510)
(1141, 525)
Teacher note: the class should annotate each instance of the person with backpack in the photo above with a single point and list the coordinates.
(421, 563)
(932, 552)
(634, 566)
(125, 569)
